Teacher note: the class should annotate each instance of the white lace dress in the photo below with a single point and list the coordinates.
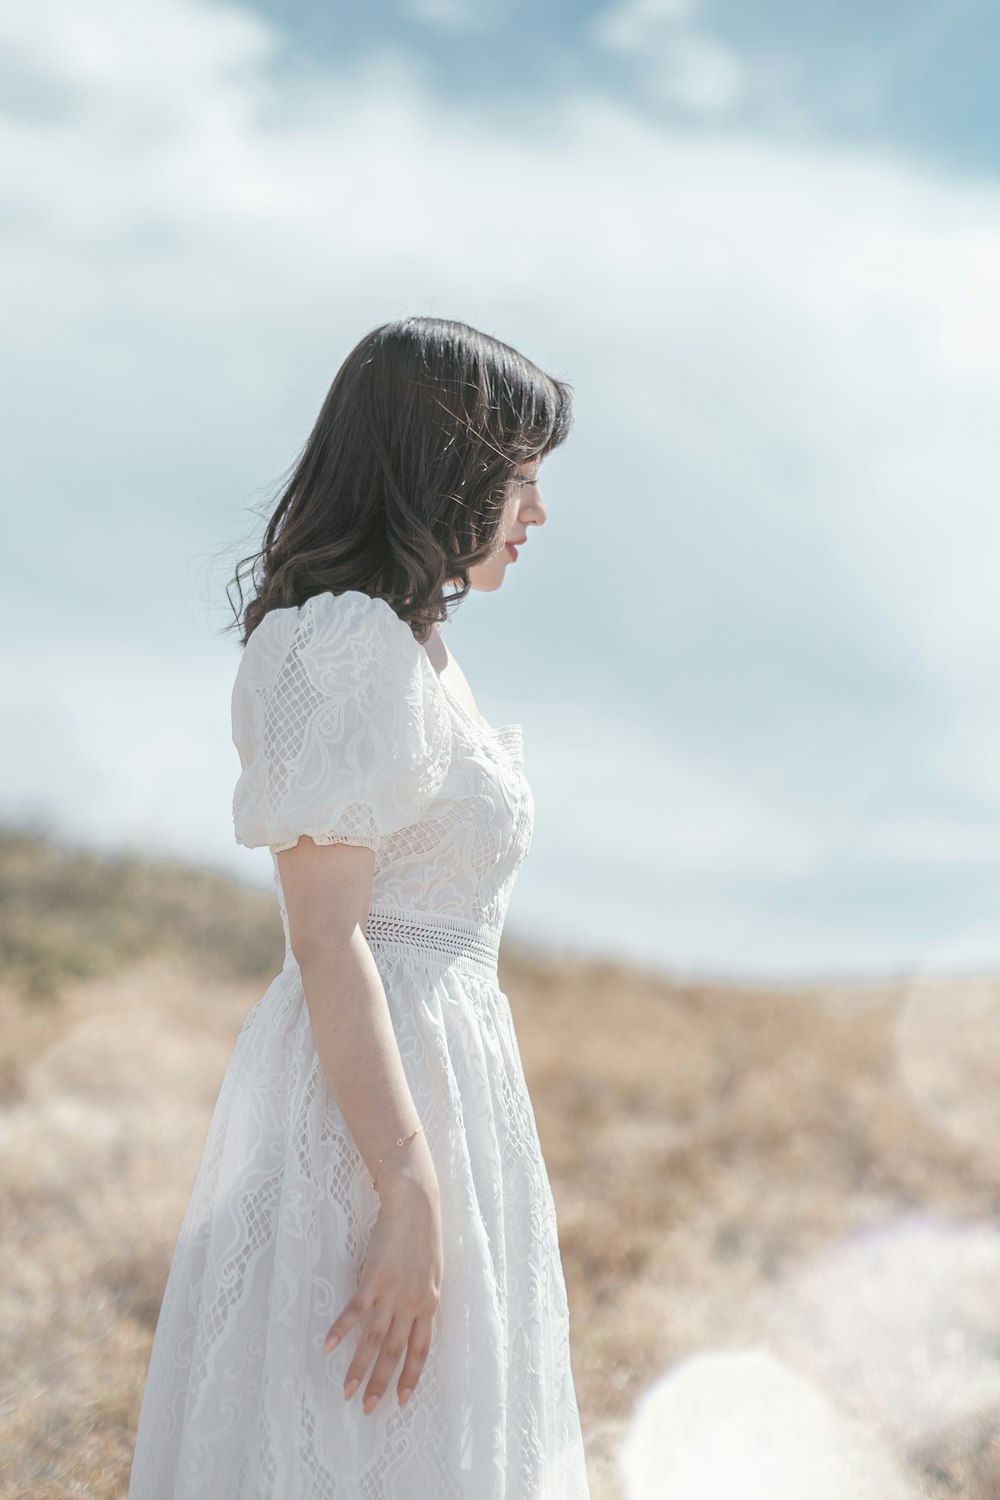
(346, 733)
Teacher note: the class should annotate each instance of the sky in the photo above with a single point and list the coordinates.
(754, 648)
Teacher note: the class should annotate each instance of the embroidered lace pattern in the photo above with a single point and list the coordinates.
(468, 947)
(346, 733)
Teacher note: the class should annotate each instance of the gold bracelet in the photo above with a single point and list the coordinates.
(401, 1142)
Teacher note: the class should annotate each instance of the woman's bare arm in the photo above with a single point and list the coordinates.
(327, 892)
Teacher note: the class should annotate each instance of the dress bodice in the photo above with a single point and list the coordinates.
(347, 733)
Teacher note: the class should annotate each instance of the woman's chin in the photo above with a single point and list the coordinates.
(488, 576)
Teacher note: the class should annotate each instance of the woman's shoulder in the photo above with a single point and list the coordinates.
(336, 705)
(329, 611)
(351, 626)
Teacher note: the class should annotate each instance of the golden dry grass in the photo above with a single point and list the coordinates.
(811, 1172)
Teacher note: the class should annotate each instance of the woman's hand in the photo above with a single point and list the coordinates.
(400, 1285)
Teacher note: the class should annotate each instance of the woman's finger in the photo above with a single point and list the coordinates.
(368, 1345)
(345, 1320)
(418, 1348)
(393, 1346)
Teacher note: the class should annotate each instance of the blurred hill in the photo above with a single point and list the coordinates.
(72, 914)
(812, 1173)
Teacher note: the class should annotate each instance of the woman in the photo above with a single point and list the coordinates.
(367, 1300)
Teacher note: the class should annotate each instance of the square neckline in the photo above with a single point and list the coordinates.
(479, 725)
(484, 731)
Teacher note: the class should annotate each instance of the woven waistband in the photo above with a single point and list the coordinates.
(468, 946)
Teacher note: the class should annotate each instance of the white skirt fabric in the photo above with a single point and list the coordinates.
(241, 1402)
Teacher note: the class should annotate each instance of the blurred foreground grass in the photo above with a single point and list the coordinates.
(812, 1173)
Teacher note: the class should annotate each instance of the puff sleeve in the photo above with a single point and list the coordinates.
(341, 725)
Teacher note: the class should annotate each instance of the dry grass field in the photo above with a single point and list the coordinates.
(777, 1206)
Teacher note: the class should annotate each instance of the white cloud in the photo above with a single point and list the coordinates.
(683, 64)
(785, 361)
(703, 75)
(130, 747)
(629, 25)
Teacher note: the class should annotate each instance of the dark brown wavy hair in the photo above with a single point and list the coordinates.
(401, 485)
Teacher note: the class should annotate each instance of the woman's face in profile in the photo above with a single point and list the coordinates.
(523, 508)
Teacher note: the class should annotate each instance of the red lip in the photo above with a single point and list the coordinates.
(512, 550)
